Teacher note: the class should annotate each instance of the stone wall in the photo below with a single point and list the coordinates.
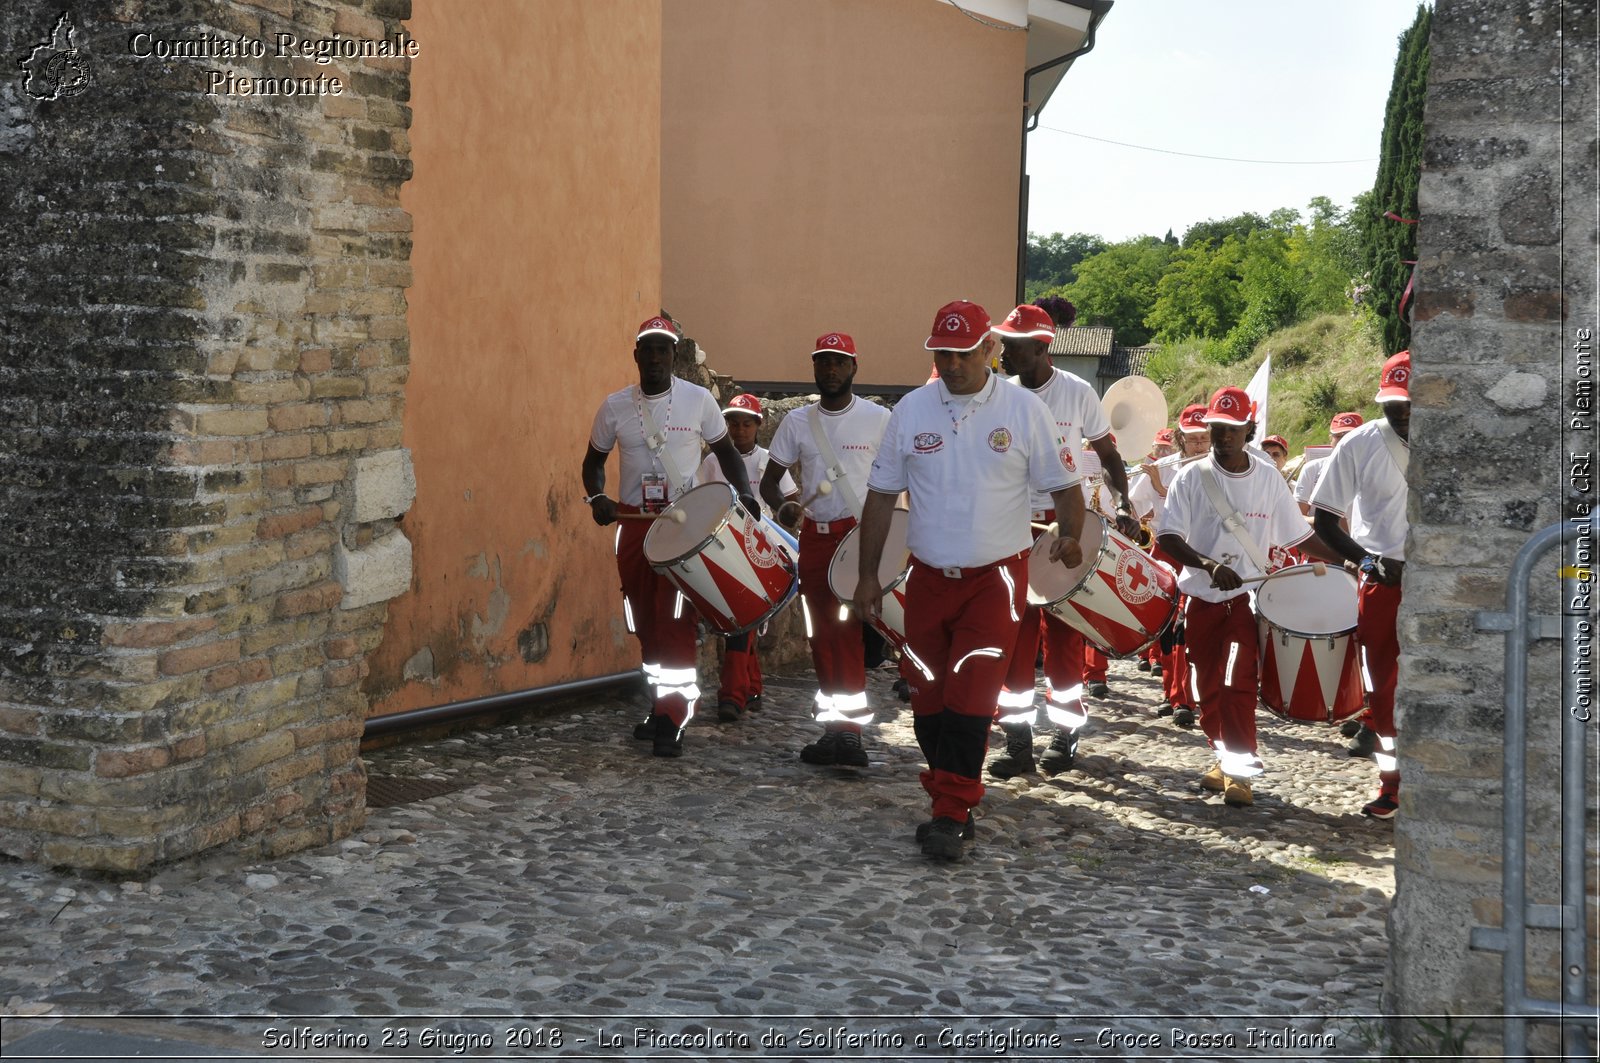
(1504, 284)
(204, 352)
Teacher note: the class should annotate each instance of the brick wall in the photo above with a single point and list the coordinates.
(1504, 283)
(204, 353)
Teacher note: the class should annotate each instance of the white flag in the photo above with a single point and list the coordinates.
(1257, 390)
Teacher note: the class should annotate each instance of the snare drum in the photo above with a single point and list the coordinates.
(1119, 598)
(844, 573)
(1310, 664)
(737, 569)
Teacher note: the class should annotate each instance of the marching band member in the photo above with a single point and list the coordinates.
(1310, 472)
(741, 671)
(969, 448)
(658, 425)
(1365, 481)
(1277, 449)
(1228, 519)
(1025, 336)
(833, 441)
(1177, 686)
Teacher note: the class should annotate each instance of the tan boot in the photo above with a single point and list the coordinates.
(1214, 780)
(1238, 794)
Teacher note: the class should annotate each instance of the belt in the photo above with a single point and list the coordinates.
(955, 572)
(828, 527)
(1044, 516)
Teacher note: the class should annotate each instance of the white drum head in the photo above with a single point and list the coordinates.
(703, 508)
(845, 568)
(1303, 603)
(1051, 582)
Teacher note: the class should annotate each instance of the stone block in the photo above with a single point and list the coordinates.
(375, 573)
(385, 485)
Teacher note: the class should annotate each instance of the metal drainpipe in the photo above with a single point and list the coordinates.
(394, 723)
(1030, 123)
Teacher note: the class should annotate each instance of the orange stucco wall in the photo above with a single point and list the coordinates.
(835, 164)
(536, 207)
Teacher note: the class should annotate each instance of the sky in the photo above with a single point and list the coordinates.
(1288, 80)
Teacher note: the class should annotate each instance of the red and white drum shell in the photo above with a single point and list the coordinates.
(844, 573)
(1119, 598)
(1310, 664)
(734, 567)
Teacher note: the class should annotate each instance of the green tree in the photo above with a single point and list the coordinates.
(1117, 287)
(1214, 231)
(1390, 246)
(1053, 259)
(1199, 293)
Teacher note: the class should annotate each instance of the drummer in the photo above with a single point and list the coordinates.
(1177, 684)
(1217, 558)
(658, 425)
(1025, 336)
(833, 441)
(740, 691)
(970, 449)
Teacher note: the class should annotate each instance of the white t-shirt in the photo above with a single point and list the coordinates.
(1079, 418)
(1310, 473)
(1361, 481)
(1261, 498)
(1142, 495)
(755, 464)
(854, 433)
(686, 414)
(970, 466)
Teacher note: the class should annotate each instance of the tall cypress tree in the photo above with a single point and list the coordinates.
(1390, 245)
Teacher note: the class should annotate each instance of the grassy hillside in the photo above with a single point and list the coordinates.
(1319, 368)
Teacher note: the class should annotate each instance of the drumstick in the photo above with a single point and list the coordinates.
(823, 490)
(1036, 526)
(1317, 569)
(675, 515)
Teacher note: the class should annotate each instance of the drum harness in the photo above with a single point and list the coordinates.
(833, 471)
(655, 441)
(1230, 518)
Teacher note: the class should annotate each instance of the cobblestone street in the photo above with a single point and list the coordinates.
(567, 885)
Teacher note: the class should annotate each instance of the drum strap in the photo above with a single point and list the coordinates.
(1230, 516)
(832, 469)
(1397, 448)
(655, 440)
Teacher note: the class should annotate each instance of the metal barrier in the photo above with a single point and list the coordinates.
(1575, 627)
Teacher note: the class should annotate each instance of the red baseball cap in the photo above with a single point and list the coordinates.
(1229, 406)
(1344, 422)
(1027, 322)
(1395, 384)
(959, 326)
(1192, 419)
(1164, 436)
(1282, 442)
(658, 326)
(835, 343)
(745, 403)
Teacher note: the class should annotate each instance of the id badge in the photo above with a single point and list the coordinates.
(655, 492)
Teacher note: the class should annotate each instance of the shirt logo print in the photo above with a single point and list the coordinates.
(1000, 440)
(927, 442)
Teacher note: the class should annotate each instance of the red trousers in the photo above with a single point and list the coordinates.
(1094, 664)
(1175, 683)
(1224, 658)
(741, 671)
(1377, 608)
(837, 652)
(959, 630)
(663, 622)
(1063, 672)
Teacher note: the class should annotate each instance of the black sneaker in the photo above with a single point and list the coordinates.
(1384, 807)
(1365, 744)
(1144, 664)
(668, 739)
(1018, 757)
(1098, 690)
(1164, 709)
(1061, 754)
(824, 750)
(728, 711)
(1351, 728)
(847, 750)
(645, 730)
(1184, 717)
(902, 689)
(752, 703)
(1155, 668)
(969, 829)
(944, 839)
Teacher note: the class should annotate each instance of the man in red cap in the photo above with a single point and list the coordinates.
(1228, 519)
(740, 690)
(970, 449)
(1194, 440)
(1277, 449)
(658, 426)
(833, 441)
(1025, 337)
(1365, 482)
(1341, 425)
